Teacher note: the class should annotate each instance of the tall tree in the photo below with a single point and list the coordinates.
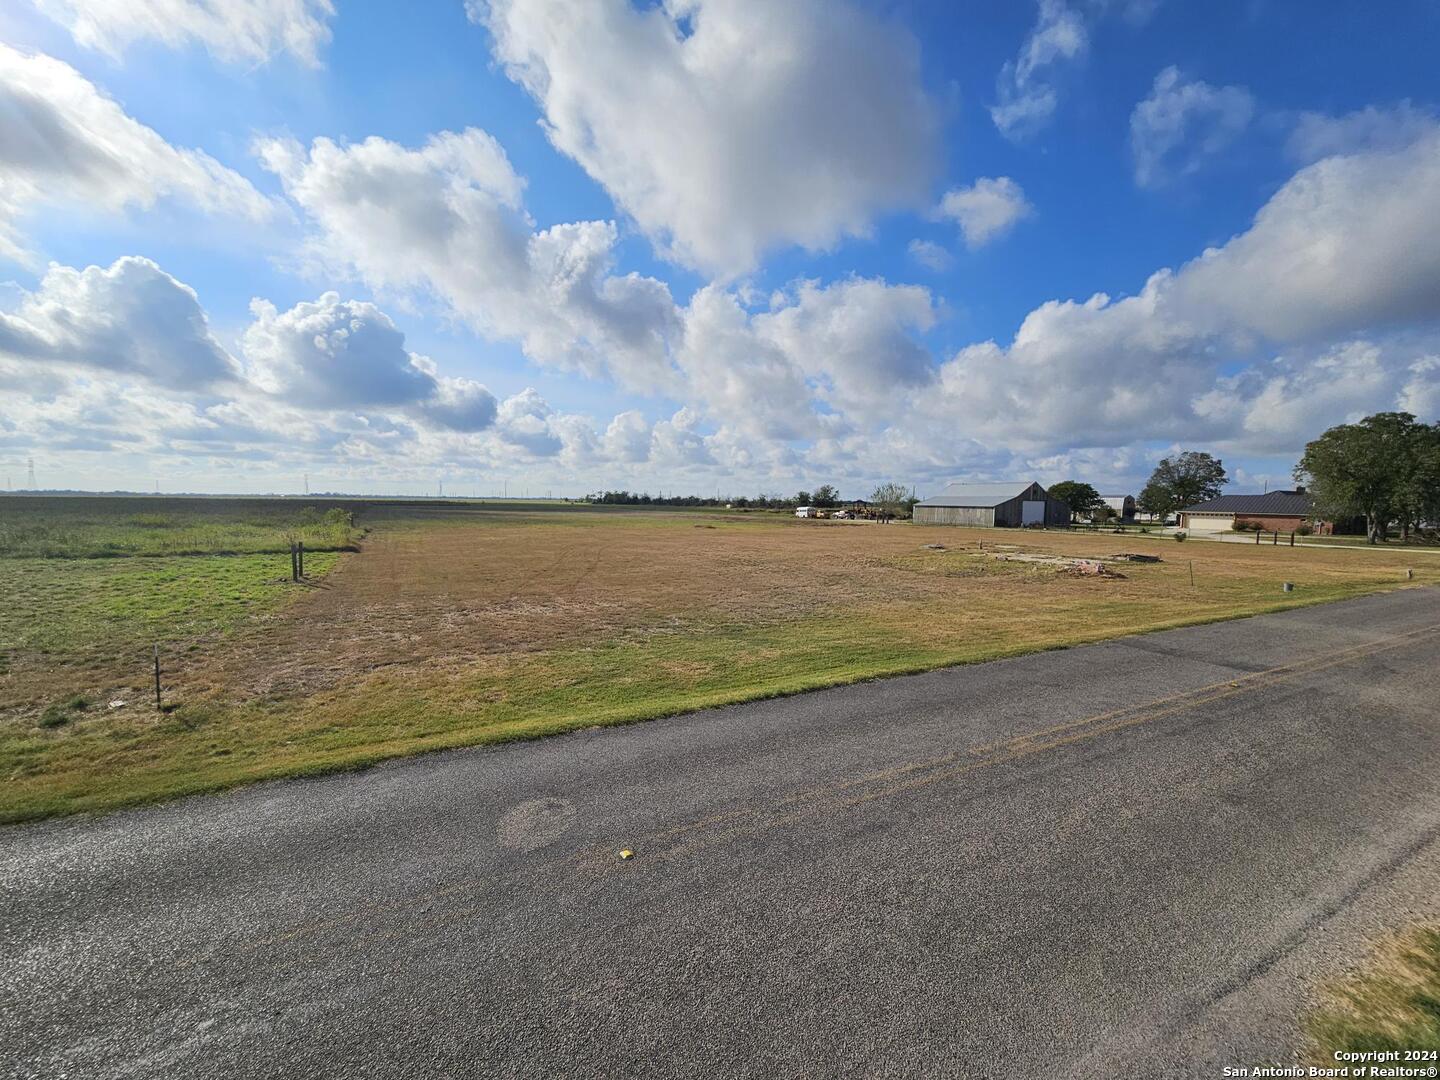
(826, 495)
(1082, 499)
(1366, 469)
(1420, 489)
(892, 498)
(1192, 478)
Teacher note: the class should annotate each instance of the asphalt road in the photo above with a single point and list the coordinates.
(1125, 859)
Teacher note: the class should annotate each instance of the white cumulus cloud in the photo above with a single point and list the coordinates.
(133, 325)
(64, 143)
(130, 318)
(727, 128)
(1182, 123)
(448, 219)
(348, 354)
(985, 210)
(234, 30)
(929, 254)
(1025, 89)
(1337, 269)
(849, 349)
(1317, 135)
(1348, 243)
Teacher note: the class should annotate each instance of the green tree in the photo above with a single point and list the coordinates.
(1082, 499)
(894, 499)
(826, 495)
(804, 498)
(1372, 469)
(1192, 478)
(1420, 490)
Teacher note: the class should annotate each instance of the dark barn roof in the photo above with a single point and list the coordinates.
(1279, 503)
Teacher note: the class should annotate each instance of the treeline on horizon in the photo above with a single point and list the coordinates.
(756, 502)
(892, 496)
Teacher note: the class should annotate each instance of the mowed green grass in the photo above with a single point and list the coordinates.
(66, 607)
(805, 607)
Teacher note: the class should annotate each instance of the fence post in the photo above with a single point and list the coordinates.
(294, 567)
(1257, 536)
(1192, 573)
(1276, 541)
(158, 706)
(1292, 538)
(300, 551)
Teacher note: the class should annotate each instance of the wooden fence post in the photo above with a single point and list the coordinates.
(158, 706)
(294, 567)
(300, 550)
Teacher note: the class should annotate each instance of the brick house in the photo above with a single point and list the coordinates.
(1275, 511)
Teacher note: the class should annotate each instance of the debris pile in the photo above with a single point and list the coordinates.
(1130, 556)
(1074, 567)
(1090, 568)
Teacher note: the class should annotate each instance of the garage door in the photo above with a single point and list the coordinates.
(1032, 512)
(1205, 523)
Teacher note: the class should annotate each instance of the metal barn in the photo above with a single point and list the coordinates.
(987, 505)
(1123, 505)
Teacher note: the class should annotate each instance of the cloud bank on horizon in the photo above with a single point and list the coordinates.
(707, 245)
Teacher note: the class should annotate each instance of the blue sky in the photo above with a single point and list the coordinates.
(706, 245)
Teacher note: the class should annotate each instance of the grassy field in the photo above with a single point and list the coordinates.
(1418, 540)
(1393, 1006)
(106, 527)
(465, 624)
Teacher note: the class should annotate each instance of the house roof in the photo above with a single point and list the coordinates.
(981, 495)
(1282, 503)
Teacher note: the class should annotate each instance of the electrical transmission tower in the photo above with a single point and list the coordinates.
(30, 475)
